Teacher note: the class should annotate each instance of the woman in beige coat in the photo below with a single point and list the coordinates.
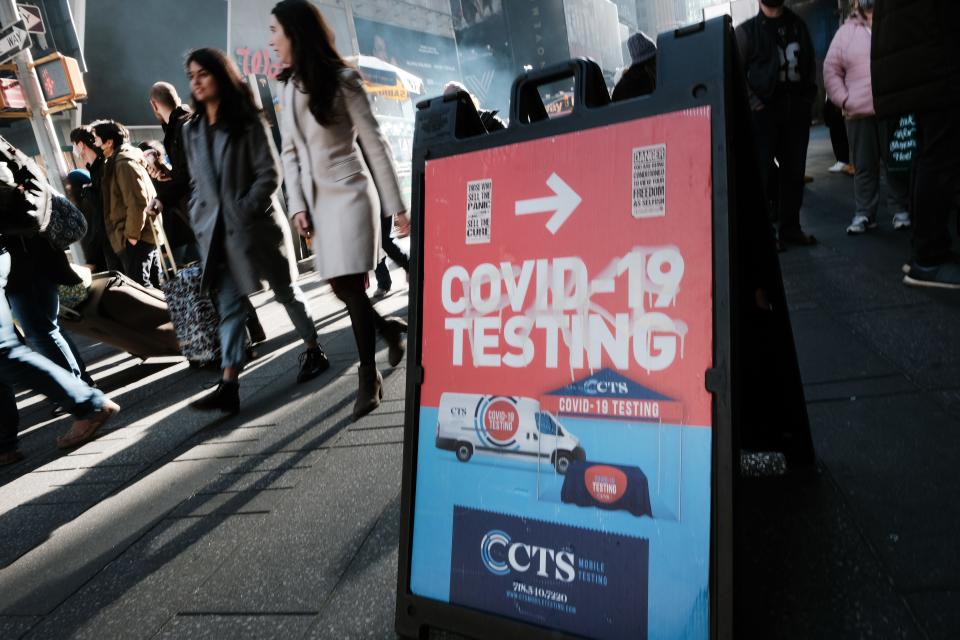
(332, 194)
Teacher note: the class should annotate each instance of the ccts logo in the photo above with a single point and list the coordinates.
(500, 555)
(603, 387)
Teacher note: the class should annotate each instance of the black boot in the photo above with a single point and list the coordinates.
(370, 391)
(393, 333)
(313, 362)
(226, 398)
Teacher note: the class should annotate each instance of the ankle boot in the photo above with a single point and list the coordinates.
(393, 334)
(370, 391)
(226, 398)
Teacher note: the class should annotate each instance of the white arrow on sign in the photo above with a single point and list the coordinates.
(32, 17)
(562, 203)
(13, 40)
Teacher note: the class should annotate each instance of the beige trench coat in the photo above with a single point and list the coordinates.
(326, 175)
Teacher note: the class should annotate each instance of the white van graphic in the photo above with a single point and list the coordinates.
(469, 422)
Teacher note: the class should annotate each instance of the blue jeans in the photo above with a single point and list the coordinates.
(233, 308)
(36, 309)
(22, 366)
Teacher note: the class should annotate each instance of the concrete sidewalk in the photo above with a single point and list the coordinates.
(282, 522)
(866, 547)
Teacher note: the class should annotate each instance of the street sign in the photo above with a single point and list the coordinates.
(13, 40)
(33, 18)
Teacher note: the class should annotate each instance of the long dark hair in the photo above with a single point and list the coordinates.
(316, 64)
(237, 108)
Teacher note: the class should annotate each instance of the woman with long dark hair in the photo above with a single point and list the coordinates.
(334, 195)
(236, 217)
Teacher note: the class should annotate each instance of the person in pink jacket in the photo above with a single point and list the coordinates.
(846, 74)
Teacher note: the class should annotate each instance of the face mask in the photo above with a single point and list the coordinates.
(773, 4)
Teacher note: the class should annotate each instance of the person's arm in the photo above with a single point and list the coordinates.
(296, 201)
(743, 45)
(137, 191)
(266, 172)
(375, 147)
(834, 73)
(808, 72)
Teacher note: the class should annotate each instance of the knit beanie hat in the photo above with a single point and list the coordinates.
(641, 47)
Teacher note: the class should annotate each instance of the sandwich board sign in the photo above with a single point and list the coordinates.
(568, 451)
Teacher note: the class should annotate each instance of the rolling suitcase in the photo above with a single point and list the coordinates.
(195, 318)
(121, 313)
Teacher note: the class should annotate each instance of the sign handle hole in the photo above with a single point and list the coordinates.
(699, 91)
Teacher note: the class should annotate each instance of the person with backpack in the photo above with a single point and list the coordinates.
(780, 67)
(24, 257)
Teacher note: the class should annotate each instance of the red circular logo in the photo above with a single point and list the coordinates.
(501, 421)
(606, 484)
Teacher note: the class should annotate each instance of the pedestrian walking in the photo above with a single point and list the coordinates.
(173, 195)
(127, 189)
(846, 74)
(19, 364)
(236, 217)
(96, 248)
(333, 195)
(916, 69)
(780, 66)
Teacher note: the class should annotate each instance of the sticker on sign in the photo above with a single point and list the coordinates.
(13, 40)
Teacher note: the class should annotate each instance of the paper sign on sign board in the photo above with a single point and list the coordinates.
(577, 320)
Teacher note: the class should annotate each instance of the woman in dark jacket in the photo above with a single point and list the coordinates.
(234, 212)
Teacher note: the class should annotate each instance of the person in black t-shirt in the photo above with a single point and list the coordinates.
(779, 62)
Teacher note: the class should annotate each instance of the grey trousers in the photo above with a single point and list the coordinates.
(869, 148)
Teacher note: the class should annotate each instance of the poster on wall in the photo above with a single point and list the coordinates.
(563, 472)
(249, 31)
(431, 57)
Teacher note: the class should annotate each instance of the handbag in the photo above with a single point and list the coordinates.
(73, 295)
(67, 223)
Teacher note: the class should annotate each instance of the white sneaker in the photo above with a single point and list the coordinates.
(858, 226)
(838, 168)
(901, 220)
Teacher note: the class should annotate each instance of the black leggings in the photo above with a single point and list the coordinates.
(366, 321)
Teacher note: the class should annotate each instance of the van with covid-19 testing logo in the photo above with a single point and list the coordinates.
(505, 425)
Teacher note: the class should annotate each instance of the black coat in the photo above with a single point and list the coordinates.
(30, 255)
(638, 80)
(90, 202)
(915, 56)
(761, 59)
(175, 193)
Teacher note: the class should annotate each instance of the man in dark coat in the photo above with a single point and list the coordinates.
(916, 69)
(96, 248)
(174, 194)
(780, 66)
